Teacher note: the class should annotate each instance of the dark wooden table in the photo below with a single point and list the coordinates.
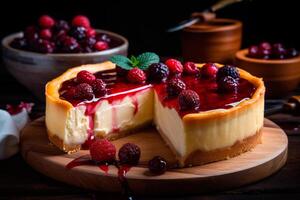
(20, 181)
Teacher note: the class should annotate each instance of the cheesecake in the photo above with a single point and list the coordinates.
(204, 114)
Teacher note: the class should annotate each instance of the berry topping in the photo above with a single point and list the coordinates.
(81, 20)
(84, 92)
(209, 71)
(174, 66)
(85, 77)
(46, 21)
(227, 84)
(158, 72)
(228, 70)
(265, 45)
(157, 165)
(136, 75)
(129, 154)
(175, 86)
(100, 46)
(189, 100)
(78, 32)
(190, 68)
(103, 151)
(99, 87)
(45, 34)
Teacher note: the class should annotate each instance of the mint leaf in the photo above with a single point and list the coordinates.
(146, 59)
(134, 61)
(121, 61)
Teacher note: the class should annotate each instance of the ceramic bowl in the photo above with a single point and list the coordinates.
(34, 70)
(280, 76)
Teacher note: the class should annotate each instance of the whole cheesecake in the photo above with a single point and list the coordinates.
(202, 119)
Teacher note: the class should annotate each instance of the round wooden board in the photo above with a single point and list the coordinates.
(262, 161)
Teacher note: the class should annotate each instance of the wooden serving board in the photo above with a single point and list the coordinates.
(264, 160)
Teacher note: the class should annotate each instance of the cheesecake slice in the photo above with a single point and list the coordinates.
(225, 124)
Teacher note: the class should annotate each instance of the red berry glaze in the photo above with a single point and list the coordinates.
(45, 34)
(136, 75)
(85, 77)
(45, 21)
(190, 68)
(69, 94)
(81, 20)
(174, 66)
(103, 151)
(209, 71)
(129, 154)
(100, 46)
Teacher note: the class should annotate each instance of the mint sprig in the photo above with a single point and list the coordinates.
(143, 61)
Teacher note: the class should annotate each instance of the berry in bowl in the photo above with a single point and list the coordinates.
(49, 47)
(278, 65)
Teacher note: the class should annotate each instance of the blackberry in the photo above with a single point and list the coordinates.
(157, 165)
(99, 87)
(84, 92)
(129, 154)
(175, 86)
(189, 100)
(19, 43)
(158, 72)
(78, 32)
(228, 84)
(228, 70)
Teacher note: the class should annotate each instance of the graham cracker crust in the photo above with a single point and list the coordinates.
(204, 157)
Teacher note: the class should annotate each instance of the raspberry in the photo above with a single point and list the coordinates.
(129, 154)
(99, 87)
(228, 70)
(46, 21)
(84, 92)
(174, 66)
(158, 72)
(90, 32)
(175, 86)
(85, 77)
(189, 100)
(157, 165)
(209, 71)
(136, 75)
(103, 151)
(45, 34)
(190, 68)
(227, 84)
(100, 46)
(81, 20)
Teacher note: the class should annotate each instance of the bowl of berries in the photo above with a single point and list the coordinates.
(46, 49)
(277, 64)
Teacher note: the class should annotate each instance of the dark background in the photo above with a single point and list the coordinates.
(144, 22)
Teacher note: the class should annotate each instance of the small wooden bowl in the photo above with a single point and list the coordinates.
(280, 76)
(215, 40)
